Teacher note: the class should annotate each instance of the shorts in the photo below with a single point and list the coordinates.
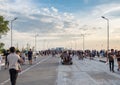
(29, 58)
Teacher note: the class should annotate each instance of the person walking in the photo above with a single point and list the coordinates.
(30, 53)
(13, 59)
(6, 61)
(111, 60)
(118, 60)
(23, 56)
(19, 63)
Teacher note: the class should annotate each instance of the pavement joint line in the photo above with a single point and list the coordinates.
(4, 82)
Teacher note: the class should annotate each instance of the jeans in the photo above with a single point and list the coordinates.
(13, 76)
(111, 65)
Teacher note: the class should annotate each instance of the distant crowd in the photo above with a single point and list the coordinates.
(15, 58)
(91, 54)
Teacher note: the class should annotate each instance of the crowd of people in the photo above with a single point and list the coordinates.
(110, 55)
(15, 58)
(80, 53)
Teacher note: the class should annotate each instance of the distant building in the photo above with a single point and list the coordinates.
(59, 48)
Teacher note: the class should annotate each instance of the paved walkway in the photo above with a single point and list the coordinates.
(49, 71)
(87, 72)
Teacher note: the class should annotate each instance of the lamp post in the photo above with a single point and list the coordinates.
(11, 30)
(107, 31)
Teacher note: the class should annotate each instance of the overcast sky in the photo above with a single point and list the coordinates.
(60, 23)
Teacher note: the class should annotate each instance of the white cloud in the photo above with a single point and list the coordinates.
(68, 16)
(46, 20)
(104, 10)
(54, 9)
(46, 10)
(32, 19)
(45, 15)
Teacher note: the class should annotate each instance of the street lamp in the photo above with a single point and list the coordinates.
(11, 29)
(107, 31)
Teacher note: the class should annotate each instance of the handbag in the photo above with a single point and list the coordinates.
(19, 68)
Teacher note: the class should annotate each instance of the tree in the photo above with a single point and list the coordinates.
(3, 26)
(3, 29)
(1, 45)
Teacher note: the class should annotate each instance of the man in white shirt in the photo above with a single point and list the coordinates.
(13, 59)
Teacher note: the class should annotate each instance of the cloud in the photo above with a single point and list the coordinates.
(52, 24)
(110, 9)
(114, 12)
(42, 20)
(91, 21)
(54, 9)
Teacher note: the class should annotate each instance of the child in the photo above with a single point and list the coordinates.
(19, 66)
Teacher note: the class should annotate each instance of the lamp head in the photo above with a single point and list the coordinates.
(15, 18)
(103, 17)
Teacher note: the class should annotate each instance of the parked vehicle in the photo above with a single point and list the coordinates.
(66, 59)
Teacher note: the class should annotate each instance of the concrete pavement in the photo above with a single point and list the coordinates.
(87, 72)
(43, 73)
(49, 71)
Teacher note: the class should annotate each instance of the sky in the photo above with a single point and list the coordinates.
(61, 23)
